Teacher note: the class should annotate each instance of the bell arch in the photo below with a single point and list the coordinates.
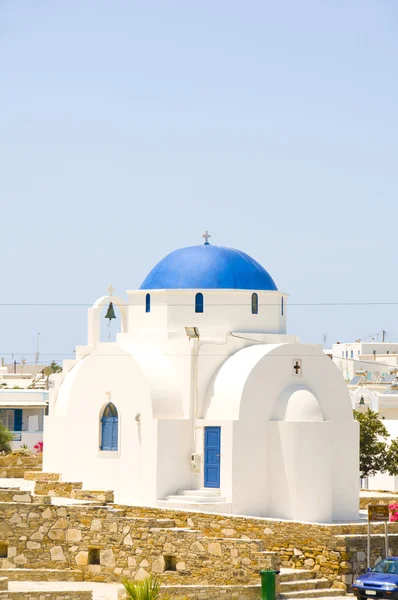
(94, 317)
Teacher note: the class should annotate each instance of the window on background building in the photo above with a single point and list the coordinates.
(282, 306)
(199, 303)
(342, 353)
(148, 303)
(110, 428)
(374, 352)
(352, 353)
(346, 353)
(7, 418)
(254, 304)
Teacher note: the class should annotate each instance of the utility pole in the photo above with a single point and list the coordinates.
(37, 349)
(384, 333)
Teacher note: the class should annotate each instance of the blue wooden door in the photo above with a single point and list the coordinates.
(212, 451)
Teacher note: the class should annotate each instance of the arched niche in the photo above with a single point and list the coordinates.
(297, 403)
(94, 317)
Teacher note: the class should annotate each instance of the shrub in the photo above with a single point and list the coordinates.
(394, 512)
(5, 439)
(147, 589)
(24, 450)
(39, 447)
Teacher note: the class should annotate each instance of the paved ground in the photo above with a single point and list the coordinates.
(23, 484)
(102, 591)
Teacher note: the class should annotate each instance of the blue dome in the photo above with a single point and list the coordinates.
(208, 267)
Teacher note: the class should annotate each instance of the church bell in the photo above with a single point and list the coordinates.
(110, 313)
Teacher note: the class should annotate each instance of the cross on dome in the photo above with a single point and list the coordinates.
(206, 236)
(110, 289)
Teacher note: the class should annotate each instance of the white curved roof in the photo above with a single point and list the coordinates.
(255, 378)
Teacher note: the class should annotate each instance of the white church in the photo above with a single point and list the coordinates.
(204, 401)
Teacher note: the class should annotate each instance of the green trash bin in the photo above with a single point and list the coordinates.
(268, 584)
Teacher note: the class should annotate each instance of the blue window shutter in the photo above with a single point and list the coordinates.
(199, 303)
(115, 434)
(148, 303)
(18, 419)
(106, 439)
(254, 304)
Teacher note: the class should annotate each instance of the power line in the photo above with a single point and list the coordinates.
(77, 305)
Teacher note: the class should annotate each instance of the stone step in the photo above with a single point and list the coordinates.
(299, 585)
(296, 575)
(196, 499)
(23, 497)
(42, 574)
(12, 472)
(93, 495)
(326, 593)
(60, 489)
(32, 475)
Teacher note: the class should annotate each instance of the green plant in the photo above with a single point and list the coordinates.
(373, 447)
(24, 450)
(147, 589)
(56, 368)
(5, 439)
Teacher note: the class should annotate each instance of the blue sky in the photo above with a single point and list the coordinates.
(127, 128)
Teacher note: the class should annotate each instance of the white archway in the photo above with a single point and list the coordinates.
(94, 317)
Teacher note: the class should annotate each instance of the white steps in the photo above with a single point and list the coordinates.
(202, 496)
(326, 593)
(288, 575)
(204, 500)
(205, 492)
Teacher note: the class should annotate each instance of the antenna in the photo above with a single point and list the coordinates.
(37, 348)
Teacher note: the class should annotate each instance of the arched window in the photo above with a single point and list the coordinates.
(110, 428)
(199, 303)
(254, 304)
(148, 303)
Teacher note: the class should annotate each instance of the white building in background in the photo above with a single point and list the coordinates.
(371, 372)
(24, 401)
(204, 401)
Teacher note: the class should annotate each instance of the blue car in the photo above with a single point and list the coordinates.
(379, 582)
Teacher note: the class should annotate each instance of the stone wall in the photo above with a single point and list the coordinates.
(386, 498)
(15, 465)
(80, 536)
(44, 595)
(210, 592)
(42, 574)
(326, 549)
(19, 460)
(106, 543)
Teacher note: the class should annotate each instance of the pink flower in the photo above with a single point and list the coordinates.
(394, 512)
(39, 447)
